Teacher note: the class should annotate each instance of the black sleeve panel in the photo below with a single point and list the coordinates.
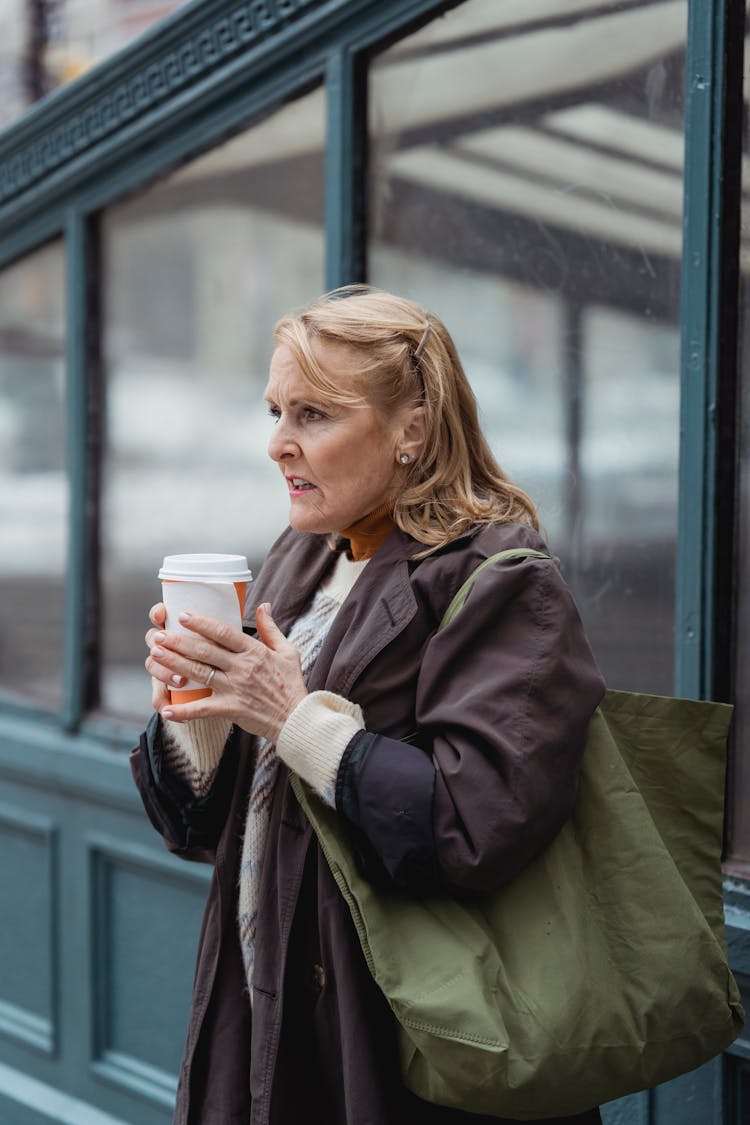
(385, 790)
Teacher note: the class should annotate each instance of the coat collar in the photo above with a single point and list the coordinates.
(380, 605)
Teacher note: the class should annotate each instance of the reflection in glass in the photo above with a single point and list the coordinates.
(14, 85)
(43, 45)
(739, 844)
(34, 490)
(526, 184)
(197, 271)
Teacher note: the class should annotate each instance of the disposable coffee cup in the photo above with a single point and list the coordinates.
(211, 585)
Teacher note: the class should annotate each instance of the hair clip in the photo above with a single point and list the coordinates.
(421, 345)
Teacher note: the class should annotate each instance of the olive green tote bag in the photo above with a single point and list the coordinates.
(601, 969)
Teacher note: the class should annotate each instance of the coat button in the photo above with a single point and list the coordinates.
(318, 976)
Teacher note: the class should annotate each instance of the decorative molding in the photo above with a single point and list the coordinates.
(128, 1073)
(90, 767)
(151, 861)
(29, 1099)
(27, 1027)
(130, 87)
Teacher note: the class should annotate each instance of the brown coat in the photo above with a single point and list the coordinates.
(498, 703)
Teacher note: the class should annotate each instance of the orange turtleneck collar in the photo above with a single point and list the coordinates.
(369, 533)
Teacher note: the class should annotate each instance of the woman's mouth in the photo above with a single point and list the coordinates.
(298, 485)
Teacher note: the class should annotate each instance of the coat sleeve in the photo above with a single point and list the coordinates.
(190, 825)
(504, 697)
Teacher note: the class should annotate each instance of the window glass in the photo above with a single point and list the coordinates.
(15, 84)
(526, 184)
(43, 45)
(196, 272)
(739, 846)
(34, 490)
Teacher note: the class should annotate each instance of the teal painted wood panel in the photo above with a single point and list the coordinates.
(13, 1112)
(99, 942)
(634, 1110)
(692, 1098)
(738, 1091)
(26, 1101)
(27, 936)
(140, 951)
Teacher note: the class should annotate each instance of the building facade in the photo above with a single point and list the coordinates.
(565, 182)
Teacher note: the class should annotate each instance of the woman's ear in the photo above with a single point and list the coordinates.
(412, 438)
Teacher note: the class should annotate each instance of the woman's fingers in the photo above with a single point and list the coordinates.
(158, 670)
(157, 615)
(186, 712)
(190, 657)
(159, 695)
(193, 658)
(218, 632)
(268, 631)
(193, 654)
(257, 682)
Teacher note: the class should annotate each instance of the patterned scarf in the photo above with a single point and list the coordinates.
(308, 634)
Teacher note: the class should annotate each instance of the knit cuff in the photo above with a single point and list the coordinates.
(194, 749)
(314, 737)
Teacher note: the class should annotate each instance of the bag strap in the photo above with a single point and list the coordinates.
(460, 597)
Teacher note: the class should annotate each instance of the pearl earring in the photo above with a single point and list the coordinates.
(404, 458)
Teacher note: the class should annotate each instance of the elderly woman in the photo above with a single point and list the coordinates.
(451, 756)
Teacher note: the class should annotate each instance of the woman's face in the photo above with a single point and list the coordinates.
(339, 462)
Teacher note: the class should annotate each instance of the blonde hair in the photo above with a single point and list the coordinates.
(403, 355)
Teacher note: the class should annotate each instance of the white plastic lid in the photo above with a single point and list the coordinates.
(205, 568)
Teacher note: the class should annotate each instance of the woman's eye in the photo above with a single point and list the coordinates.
(312, 415)
(274, 412)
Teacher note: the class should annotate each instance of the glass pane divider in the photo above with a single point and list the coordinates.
(77, 576)
(346, 109)
(700, 298)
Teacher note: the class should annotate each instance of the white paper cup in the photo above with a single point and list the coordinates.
(211, 585)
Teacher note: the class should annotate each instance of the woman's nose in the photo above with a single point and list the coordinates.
(281, 443)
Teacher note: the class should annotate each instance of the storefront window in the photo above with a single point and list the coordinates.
(526, 184)
(196, 272)
(34, 491)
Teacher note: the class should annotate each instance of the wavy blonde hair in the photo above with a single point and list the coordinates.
(402, 355)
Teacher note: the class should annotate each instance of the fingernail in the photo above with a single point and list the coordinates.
(167, 714)
(176, 679)
(266, 607)
(156, 651)
(184, 617)
(159, 637)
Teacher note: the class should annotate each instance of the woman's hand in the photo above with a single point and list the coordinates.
(257, 684)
